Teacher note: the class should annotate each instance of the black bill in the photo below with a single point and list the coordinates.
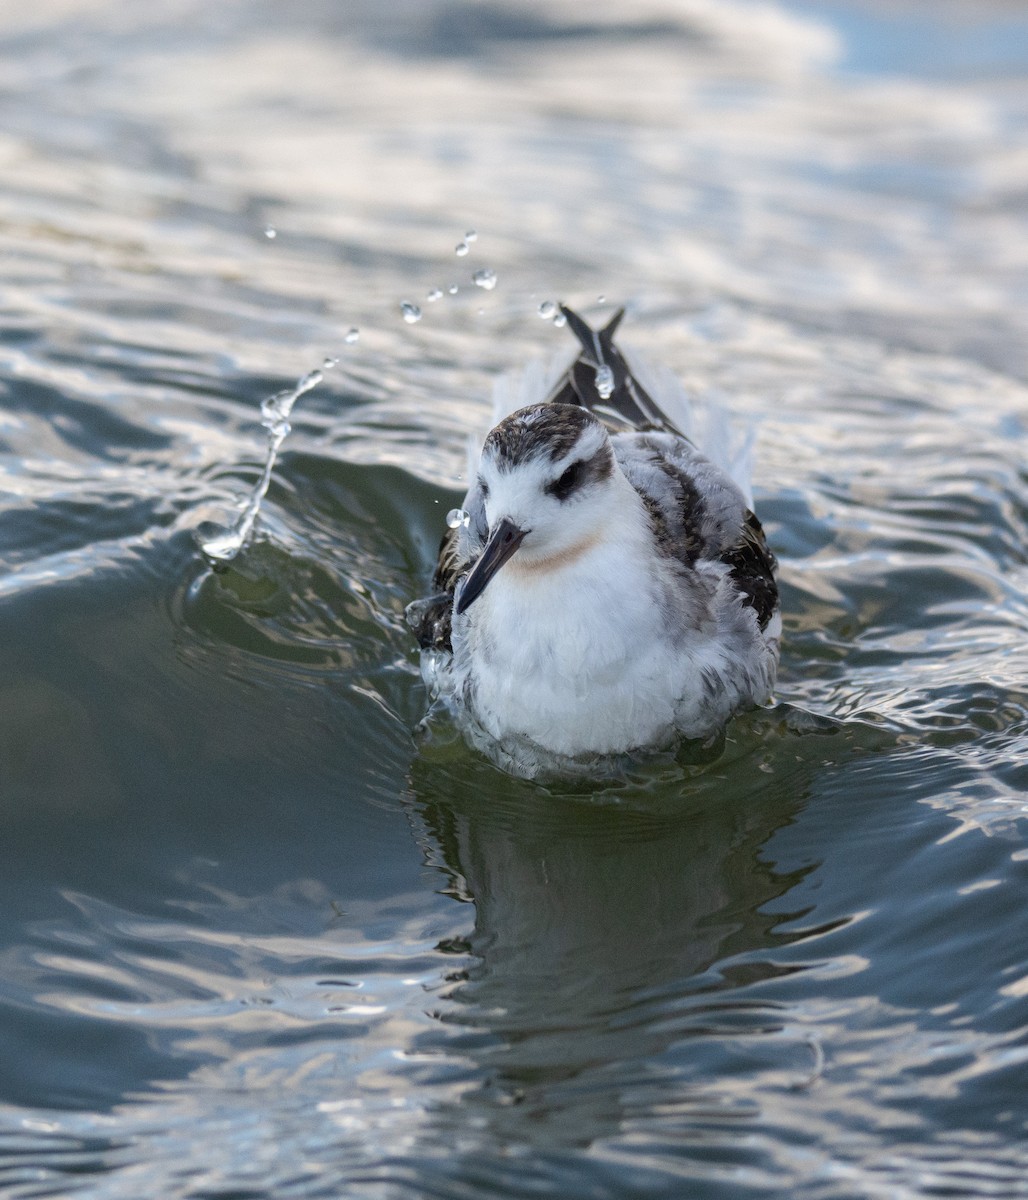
(505, 539)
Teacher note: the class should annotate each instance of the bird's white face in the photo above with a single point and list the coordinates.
(556, 502)
(547, 479)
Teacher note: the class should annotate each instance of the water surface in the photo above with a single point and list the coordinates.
(257, 939)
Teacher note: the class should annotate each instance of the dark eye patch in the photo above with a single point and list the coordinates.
(568, 482)
(483, 487)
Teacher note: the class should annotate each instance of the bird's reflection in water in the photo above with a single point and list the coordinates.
(618, 945)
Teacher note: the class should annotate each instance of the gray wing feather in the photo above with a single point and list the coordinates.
(697, 512)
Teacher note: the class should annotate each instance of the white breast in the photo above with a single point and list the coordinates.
(603, 654)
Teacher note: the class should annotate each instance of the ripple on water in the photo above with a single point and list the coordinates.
(648, 971)
(237, 898)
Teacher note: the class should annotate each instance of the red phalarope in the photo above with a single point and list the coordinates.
(606, 588)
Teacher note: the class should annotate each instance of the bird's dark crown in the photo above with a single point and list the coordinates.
(547, 431)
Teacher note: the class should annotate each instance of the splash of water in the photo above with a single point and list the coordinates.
(221, 543)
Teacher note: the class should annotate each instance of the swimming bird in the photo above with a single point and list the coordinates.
(605, 589)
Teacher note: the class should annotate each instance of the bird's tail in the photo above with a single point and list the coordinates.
(636, 394)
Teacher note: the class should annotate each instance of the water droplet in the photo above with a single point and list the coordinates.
(471, 236)
(329, 363)
(411, 312)
(560, 320)
(453, 289)
(218, 542)
(604, 381)
(547, 310)
(457, 517)
(485, 278)
(352, 335)
(270, 233)
(434, 295)
(461, 249)
(601, 299)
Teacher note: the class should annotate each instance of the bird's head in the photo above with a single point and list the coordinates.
(547, 479)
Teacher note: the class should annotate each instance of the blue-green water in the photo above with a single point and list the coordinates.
(257, 940)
